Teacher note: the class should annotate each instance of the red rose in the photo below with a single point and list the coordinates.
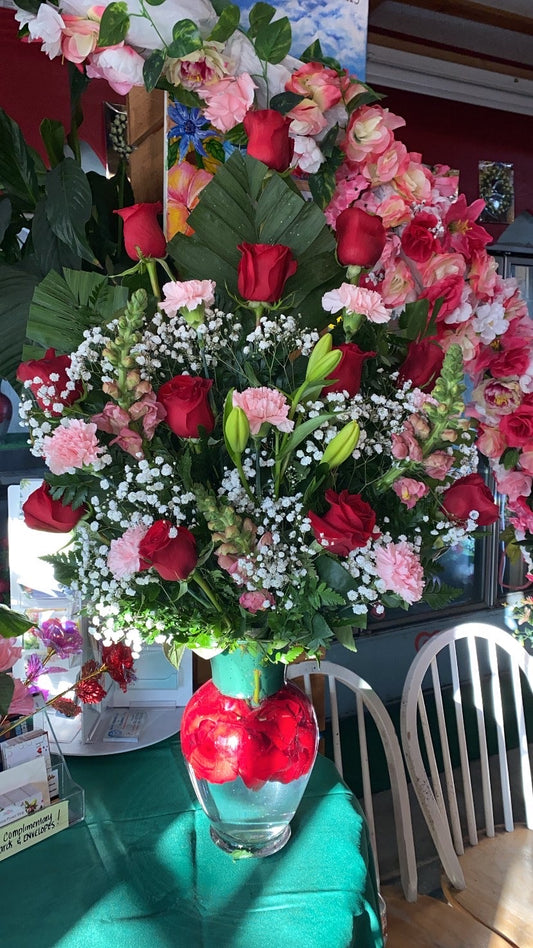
(51, 365)
(360, 238)
(422, 364)
(348, 524)
(264, 270)
(142, 234)
(467, 494)
(449, 290)
(41, 512)
(118, 660)
(418, 242)
(517, 428)
(503, 363)
(185, 399)
(268, 138)
(173, 557)
(349, 369)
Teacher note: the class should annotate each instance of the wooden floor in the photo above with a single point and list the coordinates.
(430, 923)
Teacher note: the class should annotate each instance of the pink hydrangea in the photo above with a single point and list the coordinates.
(123, 558)
(72, 445)
(256, 601)
(409, 490)
(400, 569)
(264, 405)
(228, 100)
(10, 653)
(355, 299)
(189, 294)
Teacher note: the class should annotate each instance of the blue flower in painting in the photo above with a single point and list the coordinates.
(190, 128)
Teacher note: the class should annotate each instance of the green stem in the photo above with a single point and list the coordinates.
(207, 590)
(152, 273)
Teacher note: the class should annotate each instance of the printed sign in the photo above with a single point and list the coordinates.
(23, 833)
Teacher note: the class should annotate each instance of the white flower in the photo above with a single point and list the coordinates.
(48, 27)
(307, 154)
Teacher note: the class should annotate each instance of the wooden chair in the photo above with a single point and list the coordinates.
(479, 679)
(413, 921)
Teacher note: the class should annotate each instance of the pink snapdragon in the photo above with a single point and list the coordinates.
(149, 411)
(123, 558)
(189, 294)
(10, 653)
(73, 445)
(437, 465)
(354, 299)
(264, 406)
(228, 100)
(400, 569)
(409, 490)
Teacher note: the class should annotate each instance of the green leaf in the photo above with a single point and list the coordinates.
(414, 319)
(18, 177)
(215, 149)
(174, 653)
(5, 216)
(69, 205)
(273, 42)
(219, 5)
(510, 458)
(53, 136)
(285, 101)
(7, 687)
(16, 291)
(364, 98)
(114, 24)
(154, 3)
(153, 68)
(13, 624)
(314, 54)
(227, 24)
(335, 575)
(50, 252)
(185, 39)
(31, 6)
(259, 17)
(344, 634)
(304, 430)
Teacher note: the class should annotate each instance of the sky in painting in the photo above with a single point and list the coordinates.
(340, 25)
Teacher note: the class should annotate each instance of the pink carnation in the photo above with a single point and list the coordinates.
(354, 299)
(400, 569)
(228, 100)
(409, 490)
(123, 558)
(72, 445)
(264, 405)
(188, 294)
(256, 601)
(9, 653)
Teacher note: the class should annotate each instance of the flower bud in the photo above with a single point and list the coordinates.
(132, 379)
(342, 445)
(194, 317)
(237, 430)
(110, 388)
(321, 349)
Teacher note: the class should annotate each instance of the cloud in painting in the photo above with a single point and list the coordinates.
(341, 26)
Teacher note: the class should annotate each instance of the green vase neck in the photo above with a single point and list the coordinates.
(246, 674)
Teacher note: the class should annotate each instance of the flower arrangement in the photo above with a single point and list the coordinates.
(272, 438)
(55, 640)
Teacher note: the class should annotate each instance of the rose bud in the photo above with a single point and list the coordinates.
(268, 138)
(360, 238)
(342, 446)
(347, 374)
(185, 399)
(467, 494)
(422, 364)
(42, 512)
(143, 236)
(263, 271)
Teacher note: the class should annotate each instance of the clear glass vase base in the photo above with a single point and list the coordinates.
(265, 848)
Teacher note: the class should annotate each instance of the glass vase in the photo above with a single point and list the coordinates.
(249, 739)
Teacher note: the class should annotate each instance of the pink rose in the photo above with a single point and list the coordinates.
(264, 406)
(306, 118)
(369, 132)
(120, 65)
(517, 427)
(228, 100)
(513, 483)
(399, 568)
(256, 601)
(318, 82)
(79, 37)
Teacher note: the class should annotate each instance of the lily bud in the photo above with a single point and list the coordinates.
(323, 368)
(321, 349)
(237, 430)
(342, 445)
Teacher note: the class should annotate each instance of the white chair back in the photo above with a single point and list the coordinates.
(367, 700)
(489, 664)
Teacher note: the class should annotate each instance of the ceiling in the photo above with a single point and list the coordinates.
(479, 45)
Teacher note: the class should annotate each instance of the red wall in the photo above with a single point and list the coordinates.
(33, 87)
(460, 135)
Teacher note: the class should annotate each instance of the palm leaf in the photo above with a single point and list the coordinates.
(16, 290)
(246, 202)
(63, 306)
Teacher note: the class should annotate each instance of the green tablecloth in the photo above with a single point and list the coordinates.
(142, 871)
